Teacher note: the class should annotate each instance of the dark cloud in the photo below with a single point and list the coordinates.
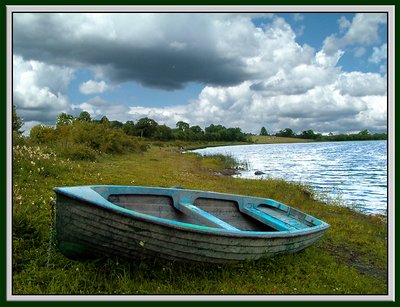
(168, 62)
(256, 77)
(37, 114)
(172, 70)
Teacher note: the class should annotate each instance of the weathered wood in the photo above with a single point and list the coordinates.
(136, 222)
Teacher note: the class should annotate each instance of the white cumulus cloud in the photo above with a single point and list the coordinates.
(39, 89)
(93, 87)
(363, 30)
(359, 84)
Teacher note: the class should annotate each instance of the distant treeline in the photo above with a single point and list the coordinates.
(363, 135)
(82, 137)
(149, 128)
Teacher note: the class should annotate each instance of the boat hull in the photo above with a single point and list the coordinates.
(84, 229)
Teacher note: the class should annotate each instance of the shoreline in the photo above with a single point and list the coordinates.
(282, 141)
(353, 254)
(326, 195)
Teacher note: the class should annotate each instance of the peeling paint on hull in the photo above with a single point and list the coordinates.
(178, 224)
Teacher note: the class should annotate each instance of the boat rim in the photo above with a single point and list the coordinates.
(89, 195)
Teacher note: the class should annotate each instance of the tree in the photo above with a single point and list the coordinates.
(146, 127)
(233, 134)
(104, 120)
(129, 128)
(364, 132)
(116, 124)
(64, 119)
(214, 128)
(196, 129)
(308, 134)
(288, 133)
(163, 133)
(214, 132)
(84, 117)
(181, 125)
(263, 131)
(16, 123)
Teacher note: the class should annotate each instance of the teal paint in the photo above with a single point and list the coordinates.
(86, 215)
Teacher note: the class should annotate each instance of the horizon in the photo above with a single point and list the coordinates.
(325, 72)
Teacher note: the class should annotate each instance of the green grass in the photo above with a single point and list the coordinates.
(351, 258)
(267, 139)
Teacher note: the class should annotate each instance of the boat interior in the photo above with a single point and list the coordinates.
(209, 209)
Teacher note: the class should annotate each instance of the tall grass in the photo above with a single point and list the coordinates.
(82, 140)
(228, 161)
(351, 259)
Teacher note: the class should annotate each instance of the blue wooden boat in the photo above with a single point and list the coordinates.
(178, 224)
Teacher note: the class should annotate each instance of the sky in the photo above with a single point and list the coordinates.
(321, 71)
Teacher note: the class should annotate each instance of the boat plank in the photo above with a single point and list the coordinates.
(119, 238)
(143, 222)
(203, 217)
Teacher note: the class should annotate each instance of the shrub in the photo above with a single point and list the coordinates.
(42, 134)
(83, 140)
(78, 151)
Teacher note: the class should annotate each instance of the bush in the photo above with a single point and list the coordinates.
(78, 151)
(42, 134)
(83, 140)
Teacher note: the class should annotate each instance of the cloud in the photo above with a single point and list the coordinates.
(97, 107)
(359, 84)
(167, 116)
(328, 60)
(359, 52)
(344, 23)
(92, 87)
(28, 125)
(154, 52)
(97, 101)
(40, 90)
(363, 30)
(379, 54)
(295, 81)
(316, 96)
(214, 49)
(298, 17)
(94, 106)
(253, 76)
(308, 110)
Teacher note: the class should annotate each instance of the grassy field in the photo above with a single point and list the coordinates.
(351, 259)
(268, 139)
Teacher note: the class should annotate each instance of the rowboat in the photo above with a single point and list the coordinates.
(136, 222)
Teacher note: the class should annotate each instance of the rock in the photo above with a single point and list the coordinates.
(259, 173)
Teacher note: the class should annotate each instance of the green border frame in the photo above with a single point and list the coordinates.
(7, 108)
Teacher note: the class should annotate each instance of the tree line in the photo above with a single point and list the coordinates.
(82, 137)
(148, 128)
(363, 135)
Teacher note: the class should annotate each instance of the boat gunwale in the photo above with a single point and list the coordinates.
(92, 197)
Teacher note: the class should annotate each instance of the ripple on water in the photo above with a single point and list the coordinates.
(355, 171)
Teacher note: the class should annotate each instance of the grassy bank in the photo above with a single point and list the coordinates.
(351, 259)
(271, 139)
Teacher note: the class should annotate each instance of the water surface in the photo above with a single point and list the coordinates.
(352, 173)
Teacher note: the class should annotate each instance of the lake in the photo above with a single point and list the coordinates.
(352, 173)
